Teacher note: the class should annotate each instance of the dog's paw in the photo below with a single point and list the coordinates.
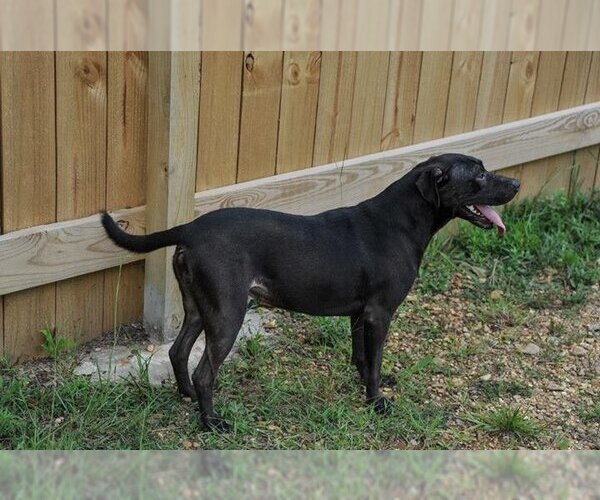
(388, 381)
(188, 394)
(216, 424)
(382, 405)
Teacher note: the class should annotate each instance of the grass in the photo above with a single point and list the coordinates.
(296, 389)
(510, 421)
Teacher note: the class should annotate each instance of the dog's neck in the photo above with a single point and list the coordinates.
(408, 213)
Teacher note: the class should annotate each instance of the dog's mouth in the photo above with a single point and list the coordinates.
(483, 216)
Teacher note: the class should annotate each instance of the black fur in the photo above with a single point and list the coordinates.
(358, 261)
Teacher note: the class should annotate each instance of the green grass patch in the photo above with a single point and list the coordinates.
(551, 246)
(510, 421)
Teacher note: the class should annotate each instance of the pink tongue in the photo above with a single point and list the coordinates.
(490, 214)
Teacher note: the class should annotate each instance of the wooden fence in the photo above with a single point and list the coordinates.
(86, 131)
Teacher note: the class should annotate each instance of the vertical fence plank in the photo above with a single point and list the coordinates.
(334, 109)
(347, 23)
(519, 94)
(219, 119)
(330, 11)
(368, 103)
(437, 30)
(588, 158)
(495, 24)
(81, 175)
(28, 183)
(545, 100)
(409, 25)
(372, 26)
(261, 94)
(173, 104)
(492, 89)
(81, 25)
(298, 114)
(433, 96)
(466, 26)
(577, 24)
(263, 21)
(401, 99)
(301, 22)
(522, 29)
(572, 93)
(125, 174)
(222, 24)
(127, 25)
(462, 98)
(550, 26)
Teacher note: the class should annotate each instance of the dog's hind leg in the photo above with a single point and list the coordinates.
(221, 331)
(179, 353)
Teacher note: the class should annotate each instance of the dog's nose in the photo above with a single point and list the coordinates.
(515, 184)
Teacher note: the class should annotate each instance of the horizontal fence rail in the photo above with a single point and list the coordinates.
(54, 252)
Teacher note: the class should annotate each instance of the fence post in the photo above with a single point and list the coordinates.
(173, 98)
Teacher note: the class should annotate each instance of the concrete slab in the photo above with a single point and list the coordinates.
(123, 362)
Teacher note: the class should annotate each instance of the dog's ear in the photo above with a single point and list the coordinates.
(428, 185)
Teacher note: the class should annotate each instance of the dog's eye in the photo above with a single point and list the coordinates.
(480, 177)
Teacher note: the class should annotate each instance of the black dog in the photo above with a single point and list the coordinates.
(358, 261)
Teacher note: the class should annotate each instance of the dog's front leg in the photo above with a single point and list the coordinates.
(358, 345)
(376, 324)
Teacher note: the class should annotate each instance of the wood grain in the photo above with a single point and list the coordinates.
(81, 25)
(81, 177)
(519, 93)
(466, 25)
(495, 25)
(301, 25)
(261, 94)
(127, 25)
(368, 103)
(523, 25)
(28, 179)
(125, 174)
(372, 28)
(437, 30)
(219, 119)
(298, 111)
(263, 20)
(222, 23)
(577, 24)
(401, 99)
(334, 109)
(492, 89)
(462, 98)
(41, 255)
(430, 119)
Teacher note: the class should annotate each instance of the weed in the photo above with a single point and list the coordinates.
(506, 421)
(56, 346)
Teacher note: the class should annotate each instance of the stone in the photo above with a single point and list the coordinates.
(531, 349)
(485, 377)
(578, 351)
(553, 386)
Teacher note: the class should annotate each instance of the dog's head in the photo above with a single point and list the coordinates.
(461, 186)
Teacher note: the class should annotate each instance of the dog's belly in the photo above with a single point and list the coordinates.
(309, 301)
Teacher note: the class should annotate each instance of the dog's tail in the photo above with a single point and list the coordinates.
(143, 244)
